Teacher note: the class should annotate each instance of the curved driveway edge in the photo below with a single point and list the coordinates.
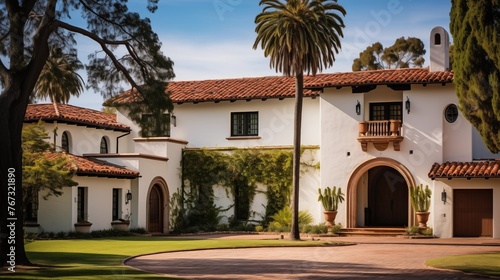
(371, 258)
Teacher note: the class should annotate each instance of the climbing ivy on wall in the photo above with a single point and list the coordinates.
(239, 171)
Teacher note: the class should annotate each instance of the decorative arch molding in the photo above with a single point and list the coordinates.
(165, 209)
(359, 171)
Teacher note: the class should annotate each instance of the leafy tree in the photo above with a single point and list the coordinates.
(29, 29)
(404, 53)
(59, 79)
(40, 171)
(299, 36)
(475, 27)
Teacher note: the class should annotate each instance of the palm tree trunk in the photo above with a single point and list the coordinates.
(299, 93)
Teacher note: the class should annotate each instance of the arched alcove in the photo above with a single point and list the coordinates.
(359, 175)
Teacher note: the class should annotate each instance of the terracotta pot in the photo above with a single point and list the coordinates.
(422, 218)
(363, 128)
(330, 217)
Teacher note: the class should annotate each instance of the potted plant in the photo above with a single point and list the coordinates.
(330, 198)
(83, 225)
(421, 202)
(122, 224)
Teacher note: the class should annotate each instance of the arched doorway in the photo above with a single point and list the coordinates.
(377, 194)
(157, 207)
(387, 198)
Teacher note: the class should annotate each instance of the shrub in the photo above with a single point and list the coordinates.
(282, 221)
(411, 231)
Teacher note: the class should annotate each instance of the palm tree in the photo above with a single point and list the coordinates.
(299, 36)
(59, 79)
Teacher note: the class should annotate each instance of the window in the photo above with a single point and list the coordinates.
(451, 113)
(242, 200)
(116, 204)
(437, 39)
(65, 142)
(104, 145)
(81, 211)
(153, 128)
(245, 124)
(386, 111)
(31, 211)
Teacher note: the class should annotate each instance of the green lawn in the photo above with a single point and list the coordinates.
(102, 258)
(488, 264)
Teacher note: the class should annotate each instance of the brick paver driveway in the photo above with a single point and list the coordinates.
(376, 259)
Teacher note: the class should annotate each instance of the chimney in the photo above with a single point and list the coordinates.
(440, 47)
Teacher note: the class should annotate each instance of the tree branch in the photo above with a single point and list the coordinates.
(103, 42)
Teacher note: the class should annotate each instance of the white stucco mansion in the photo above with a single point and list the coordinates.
(375, 134)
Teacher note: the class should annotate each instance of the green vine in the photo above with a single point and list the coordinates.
(239, 171)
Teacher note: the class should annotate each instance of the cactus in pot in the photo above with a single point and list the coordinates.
(330, 198)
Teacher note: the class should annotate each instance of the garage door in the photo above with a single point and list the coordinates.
(472, 213)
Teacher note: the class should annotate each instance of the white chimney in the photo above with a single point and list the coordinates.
(440, 46)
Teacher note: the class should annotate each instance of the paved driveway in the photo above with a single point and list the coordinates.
(370, 258)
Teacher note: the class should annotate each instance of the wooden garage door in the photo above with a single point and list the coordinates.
(472, 213)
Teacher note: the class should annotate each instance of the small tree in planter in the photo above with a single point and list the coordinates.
(421, 202)
(330, 198)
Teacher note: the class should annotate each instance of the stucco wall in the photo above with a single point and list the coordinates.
(60, 213)
(83, 140)
(208, 124)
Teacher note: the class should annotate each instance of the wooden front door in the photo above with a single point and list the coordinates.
(155, 220)
(472, 213)
(387, 198)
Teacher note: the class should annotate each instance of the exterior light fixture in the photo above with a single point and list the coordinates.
(358, 108)
(407, 105)
(173, 120)
(128, 197)
(443, 196)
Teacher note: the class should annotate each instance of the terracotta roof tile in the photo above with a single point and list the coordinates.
(73, 115)
(85, 166)
(481, 169)
(284, 87)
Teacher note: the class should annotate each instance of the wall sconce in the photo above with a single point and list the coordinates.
(128, 197)
(407, 105)
(358, 108)
(443, 196)
(173, 120)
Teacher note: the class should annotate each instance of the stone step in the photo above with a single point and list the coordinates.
(382, 231)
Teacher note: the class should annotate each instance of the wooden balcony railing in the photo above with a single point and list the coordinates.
(380, 133)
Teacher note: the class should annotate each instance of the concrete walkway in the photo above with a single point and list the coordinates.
(369, 258)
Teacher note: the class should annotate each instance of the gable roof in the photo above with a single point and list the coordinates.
(86, 166)
(70, 114)
(284, 87)
(481, 169)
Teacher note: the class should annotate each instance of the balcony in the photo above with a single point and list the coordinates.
(380, 133)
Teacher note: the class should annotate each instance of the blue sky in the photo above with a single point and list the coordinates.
(213, 39)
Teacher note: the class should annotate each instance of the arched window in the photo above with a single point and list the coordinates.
(437, 39)
(65, 142)
(104, 145)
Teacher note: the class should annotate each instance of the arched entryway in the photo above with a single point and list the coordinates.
(377, 194)
(387, 198)
(157, 207)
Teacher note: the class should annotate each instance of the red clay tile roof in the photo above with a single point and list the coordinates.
(284, 87)
(224, 90)
(482, 169)
(73, 115)
(86, 166)
(381, 77)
